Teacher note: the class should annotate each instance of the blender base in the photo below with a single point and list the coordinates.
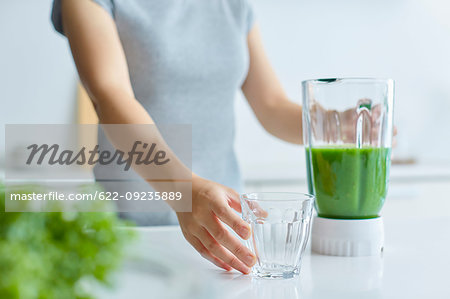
(347, 237)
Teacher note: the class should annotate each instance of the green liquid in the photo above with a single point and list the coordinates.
(349, 183)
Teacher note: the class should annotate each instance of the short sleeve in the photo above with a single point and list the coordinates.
(250, 15)
(56, 16)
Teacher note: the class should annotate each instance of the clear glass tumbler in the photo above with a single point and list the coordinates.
(347, 131)
(280, 225)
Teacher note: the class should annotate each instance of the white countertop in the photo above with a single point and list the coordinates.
(415, 263)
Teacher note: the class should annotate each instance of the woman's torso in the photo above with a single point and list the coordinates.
(187, 59)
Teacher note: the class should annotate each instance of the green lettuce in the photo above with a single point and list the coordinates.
(50, 255)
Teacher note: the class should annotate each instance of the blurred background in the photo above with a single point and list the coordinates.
(407, 40)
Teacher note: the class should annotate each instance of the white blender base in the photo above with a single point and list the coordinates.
(347, 237)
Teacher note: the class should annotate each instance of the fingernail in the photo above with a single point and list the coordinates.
(250, 260)
(246, 270)
(244, 232)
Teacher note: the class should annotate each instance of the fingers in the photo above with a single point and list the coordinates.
(230, 218)
(230, 242)
(205, 253)
(220, 252)
(214, 204)
(234, 200)
(257, 210)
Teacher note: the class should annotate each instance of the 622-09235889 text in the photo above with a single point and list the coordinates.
(98, 195)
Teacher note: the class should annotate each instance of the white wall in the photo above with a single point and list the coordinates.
(408, 40)
(37, 75)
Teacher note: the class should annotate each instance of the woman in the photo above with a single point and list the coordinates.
(171, 61)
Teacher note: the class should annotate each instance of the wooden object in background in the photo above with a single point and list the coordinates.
(86, 112)
(86, 115)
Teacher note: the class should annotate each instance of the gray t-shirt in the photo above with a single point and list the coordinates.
(187, 60)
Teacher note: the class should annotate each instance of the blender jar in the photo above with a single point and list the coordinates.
(347, 131)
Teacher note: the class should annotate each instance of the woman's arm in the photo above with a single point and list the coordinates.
(276, 113)
(101, 64)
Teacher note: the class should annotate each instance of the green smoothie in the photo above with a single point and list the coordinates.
(349, 183)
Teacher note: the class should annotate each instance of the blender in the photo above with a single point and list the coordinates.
(347, 131)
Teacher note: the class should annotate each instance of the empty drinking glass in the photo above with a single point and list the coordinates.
(280, 225)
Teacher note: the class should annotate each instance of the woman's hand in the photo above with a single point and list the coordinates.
(214, 205)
